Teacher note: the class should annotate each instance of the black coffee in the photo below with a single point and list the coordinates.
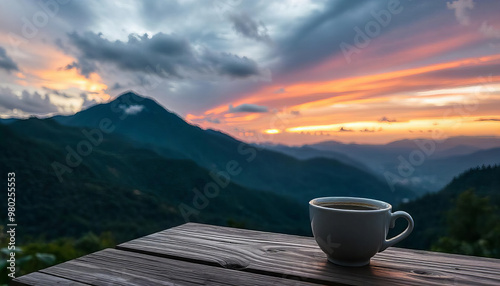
(350, 206)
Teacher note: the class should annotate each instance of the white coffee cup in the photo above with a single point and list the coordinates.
(352, 230)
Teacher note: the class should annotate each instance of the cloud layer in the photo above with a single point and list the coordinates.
(244, 67)
(246, 26)
(30, 103)
(6, 63)
(248, 108)
(167, 55)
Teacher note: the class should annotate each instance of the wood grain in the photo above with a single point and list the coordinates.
(295, 257)
(41, 279)
(124, 268)
(197, 254)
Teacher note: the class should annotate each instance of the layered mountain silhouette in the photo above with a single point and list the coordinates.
(151, 126)
(307, 152)
(124, 189)
(132, 167)
(421, 164)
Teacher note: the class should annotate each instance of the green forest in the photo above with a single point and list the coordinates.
(463, 218)
(127, 188)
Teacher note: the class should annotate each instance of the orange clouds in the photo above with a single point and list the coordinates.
(393, 78)
(42, 65)
(362, 89)
(62, 79)
(244, 118)
(191, 117)
(421, 98)
(65, 79)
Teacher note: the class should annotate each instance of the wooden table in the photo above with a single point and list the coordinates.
(198, 254)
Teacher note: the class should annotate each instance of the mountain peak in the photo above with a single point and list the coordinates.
(132, 115)
(130, 98)
(131, 101)
(130, 95)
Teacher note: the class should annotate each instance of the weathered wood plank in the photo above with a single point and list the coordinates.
(123, 268)
(299, 258)
(41, 279)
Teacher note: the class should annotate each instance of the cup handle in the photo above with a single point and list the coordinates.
(401, 236)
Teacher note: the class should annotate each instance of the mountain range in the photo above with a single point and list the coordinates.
(123, 189)
(422, 165)
(162, 131)
(132, 167)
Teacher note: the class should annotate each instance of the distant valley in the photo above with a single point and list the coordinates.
(423, 165)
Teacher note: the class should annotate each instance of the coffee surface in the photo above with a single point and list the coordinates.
(349, 206)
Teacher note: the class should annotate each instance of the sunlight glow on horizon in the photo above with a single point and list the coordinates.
(427, 103)
(272, 131)
(351, 84)
(418, 124)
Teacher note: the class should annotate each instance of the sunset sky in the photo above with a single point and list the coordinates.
(289, 72)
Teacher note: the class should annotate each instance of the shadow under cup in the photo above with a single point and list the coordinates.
(352, 230)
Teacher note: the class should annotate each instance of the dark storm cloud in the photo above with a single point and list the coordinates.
(342, 129)
(229, 64)
(385, 119)
(85, 66)
(246, 26)
(33, 103)
(57, 92)
(87, 102)
(248, 108)
(213, 120)
(168, 55)
(488, 119)
(6, 62)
